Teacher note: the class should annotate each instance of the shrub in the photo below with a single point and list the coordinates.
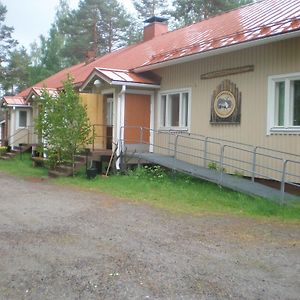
(3, 150)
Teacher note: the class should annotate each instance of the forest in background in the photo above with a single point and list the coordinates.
(96, 27)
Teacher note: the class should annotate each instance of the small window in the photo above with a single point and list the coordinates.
(295, 86)
(163, 110)
(284, 103)
(174, 101)
(174, 110)
(22, 118)
(109, 112)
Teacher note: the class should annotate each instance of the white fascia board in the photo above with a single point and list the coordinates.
(135, 84)
(19, 106)
(223, 50)
(90, 77)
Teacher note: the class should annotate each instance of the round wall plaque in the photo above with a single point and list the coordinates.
(224, 104)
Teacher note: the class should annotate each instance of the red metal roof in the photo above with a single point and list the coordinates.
(124, 76)
(249, 23)
(14, 100)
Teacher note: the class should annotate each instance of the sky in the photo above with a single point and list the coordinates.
(31, 18)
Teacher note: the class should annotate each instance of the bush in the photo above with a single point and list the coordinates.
(3, 150)
(153, 173)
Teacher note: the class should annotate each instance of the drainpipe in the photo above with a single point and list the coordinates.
(120, 123)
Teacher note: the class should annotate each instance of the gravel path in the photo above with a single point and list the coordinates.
(63, 243)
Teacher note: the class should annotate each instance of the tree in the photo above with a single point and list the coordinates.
(191, 11)
(96, 26)
(64, 124)
(6, 41)
(46, 56)
(16, 72)
(150, 8)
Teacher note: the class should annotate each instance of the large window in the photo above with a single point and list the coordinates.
(284, 103)
(174, 110)
(22, 118)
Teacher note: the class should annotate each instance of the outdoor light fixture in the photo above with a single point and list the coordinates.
(97, 83)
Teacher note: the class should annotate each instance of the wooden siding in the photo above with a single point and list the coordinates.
(277, 58)
(268, 60)
(95, 111)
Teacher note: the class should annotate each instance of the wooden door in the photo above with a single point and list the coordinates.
(137, 114)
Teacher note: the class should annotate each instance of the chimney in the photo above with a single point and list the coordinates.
(157, 26)
(90, 56)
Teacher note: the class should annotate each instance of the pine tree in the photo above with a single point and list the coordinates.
(150, 8)
(97, 26)
(16, 72)
(6, 41)
(191, 11)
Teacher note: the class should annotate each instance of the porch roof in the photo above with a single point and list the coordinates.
(120, 77)
(37, 91)
(14, 101)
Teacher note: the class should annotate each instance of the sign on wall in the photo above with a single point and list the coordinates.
(226, 104)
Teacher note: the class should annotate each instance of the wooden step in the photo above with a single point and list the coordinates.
(56, 174)
(9, 155)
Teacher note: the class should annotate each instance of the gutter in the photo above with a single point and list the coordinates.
(136, 84)
(120, 123)
(218, 51)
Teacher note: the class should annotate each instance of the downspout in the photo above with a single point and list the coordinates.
(120, 123)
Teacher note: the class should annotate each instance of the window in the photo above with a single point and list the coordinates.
(22, 118)
(174, 109)
(284, 103)
(109, 112)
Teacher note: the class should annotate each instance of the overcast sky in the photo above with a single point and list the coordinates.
(31, 18)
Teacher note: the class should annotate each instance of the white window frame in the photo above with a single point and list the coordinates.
(288, 126)
(167, 93)
(18, 119)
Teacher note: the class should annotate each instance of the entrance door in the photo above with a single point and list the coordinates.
(137, 114)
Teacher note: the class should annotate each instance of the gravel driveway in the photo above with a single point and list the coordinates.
(64, 243)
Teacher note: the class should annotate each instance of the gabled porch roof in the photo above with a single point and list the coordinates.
(11, 101)
(37, 92)
(120, 77)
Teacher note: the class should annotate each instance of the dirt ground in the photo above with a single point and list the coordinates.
(63, 243)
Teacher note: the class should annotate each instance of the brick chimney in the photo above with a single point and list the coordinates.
(156, 26)
(90, 56)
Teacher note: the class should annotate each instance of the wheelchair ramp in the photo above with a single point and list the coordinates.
(233, 182)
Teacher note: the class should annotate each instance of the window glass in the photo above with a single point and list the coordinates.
(22, 119)
(109, 112)
(279, 103)
(185, 108)
(163, 110)
(296, 102)
(174, 108)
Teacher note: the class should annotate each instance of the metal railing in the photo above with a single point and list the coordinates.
(225, 156)
(21, 136)
(103, 136)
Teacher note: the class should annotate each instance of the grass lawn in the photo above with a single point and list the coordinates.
(181, 194)
(22, 167)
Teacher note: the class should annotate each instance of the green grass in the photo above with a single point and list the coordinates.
(181, 194)
(185, 195)
(22, 166)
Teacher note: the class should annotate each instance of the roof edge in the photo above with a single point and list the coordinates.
(219, 51)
